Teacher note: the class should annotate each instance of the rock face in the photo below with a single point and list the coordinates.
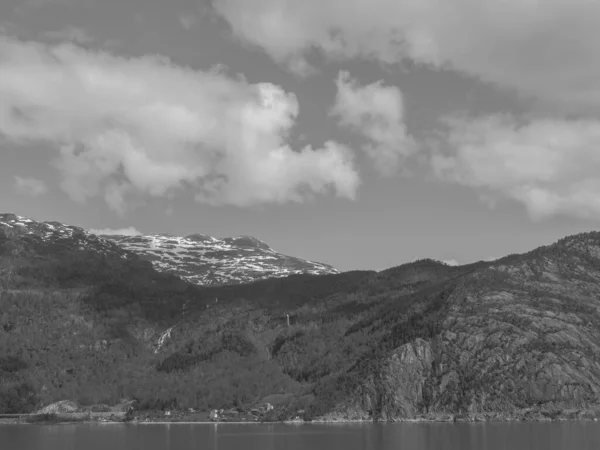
(395, 390)
(63, 406)
(521, 333)
(207, 261)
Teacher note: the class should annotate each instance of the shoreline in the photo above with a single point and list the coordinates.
(296, 423)
(592, 415)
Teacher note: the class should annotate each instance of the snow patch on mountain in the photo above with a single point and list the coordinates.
(206, 260)
(197, 258)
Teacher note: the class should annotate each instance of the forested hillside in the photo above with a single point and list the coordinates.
(421, 338)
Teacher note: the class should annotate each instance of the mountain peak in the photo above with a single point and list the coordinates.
(51, 233)
(197, 258)
(206, 260)
(201, 237)
(588, 242)
(246, 241)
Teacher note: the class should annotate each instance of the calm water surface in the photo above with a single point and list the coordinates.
(491, 436)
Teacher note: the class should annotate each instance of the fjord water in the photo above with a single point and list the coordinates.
(410, 436)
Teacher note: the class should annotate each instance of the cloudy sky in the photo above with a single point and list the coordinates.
(361, 133)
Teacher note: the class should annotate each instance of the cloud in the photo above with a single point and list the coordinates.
(34, 4)
(376, 112)
(129, 231)
(301, 67)
(187, 21)
(73, 34)
(451, 262)
(549, 165)
(513, 43)
(126, 127)
(30, 186)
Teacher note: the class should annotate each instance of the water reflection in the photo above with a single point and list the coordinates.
(491, 436)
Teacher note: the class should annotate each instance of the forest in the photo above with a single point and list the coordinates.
(77, 324)
(85, 325)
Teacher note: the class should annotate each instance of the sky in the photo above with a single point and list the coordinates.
(359, 133)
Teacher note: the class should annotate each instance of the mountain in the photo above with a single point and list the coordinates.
(206, 260)
(516, 338)
(56, 234)
(518, 334)
(197, 258)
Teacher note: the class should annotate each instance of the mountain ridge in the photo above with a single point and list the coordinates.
(518, 337)
(205, 260)
(198, 258)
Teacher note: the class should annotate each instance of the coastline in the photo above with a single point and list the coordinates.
(529, 415)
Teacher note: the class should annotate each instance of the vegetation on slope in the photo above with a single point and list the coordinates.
(419, 338)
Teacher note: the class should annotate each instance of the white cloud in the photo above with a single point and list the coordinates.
(550, 166)
(451, 262)
(545, 48)
(145, 126)
(30, 186)
(129, 231)
(376, 112)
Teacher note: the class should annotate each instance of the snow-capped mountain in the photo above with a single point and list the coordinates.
(54, 235)
(206, 260)
(198, 258)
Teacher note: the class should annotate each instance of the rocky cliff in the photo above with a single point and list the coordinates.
(522, 333)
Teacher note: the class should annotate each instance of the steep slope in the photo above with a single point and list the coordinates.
(85, 324)
(515, 338)
(521, 333)
(207, 261)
